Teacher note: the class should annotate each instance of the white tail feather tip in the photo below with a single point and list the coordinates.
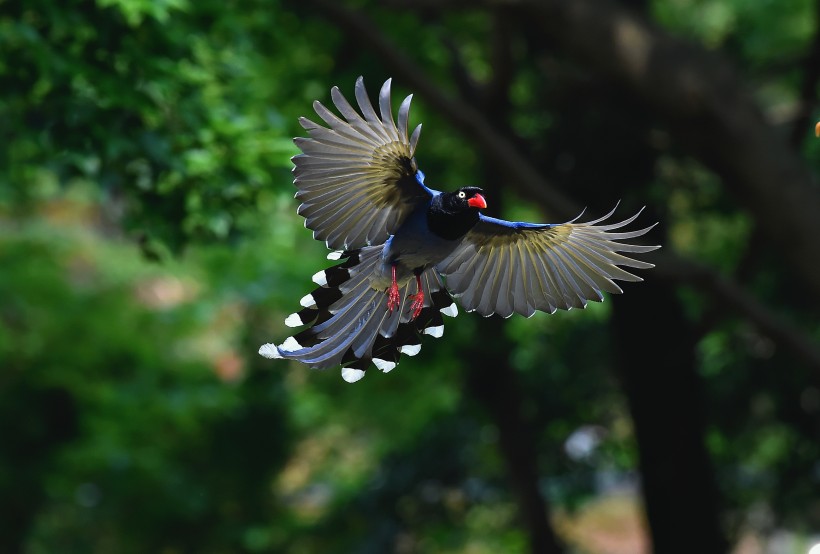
(269, 351)
(293, 320)
(320, 278)
(336, 255)
(410, 349)
(290, 345)
(383, 365)
(307, 301)
(351, 375)
(451, 310)
(436, 331)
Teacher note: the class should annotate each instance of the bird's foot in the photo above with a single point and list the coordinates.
(393, 297)
(418, 303)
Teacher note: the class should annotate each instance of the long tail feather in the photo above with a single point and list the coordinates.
(350, 323)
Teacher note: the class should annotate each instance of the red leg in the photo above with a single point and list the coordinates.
(393, 293)
(418, 298)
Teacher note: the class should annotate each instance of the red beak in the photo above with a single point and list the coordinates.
(477, 201)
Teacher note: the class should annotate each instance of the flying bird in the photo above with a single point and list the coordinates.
(406, 250)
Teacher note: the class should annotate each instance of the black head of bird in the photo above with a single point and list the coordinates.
(452, 214)
(464, 199)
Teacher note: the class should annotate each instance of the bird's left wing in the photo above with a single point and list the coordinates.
(504, 267)
(357, 178)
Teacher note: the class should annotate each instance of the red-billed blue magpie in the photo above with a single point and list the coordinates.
(406, 248)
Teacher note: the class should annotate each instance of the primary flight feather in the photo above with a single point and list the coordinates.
(406, 249)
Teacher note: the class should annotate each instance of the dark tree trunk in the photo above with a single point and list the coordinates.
(491, 379)
(494, 384)
(656, 363)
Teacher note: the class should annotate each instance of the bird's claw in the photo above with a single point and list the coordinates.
(393, 297)
(418, 304)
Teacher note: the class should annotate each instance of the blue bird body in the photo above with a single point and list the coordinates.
(414, 247)
(396, 241)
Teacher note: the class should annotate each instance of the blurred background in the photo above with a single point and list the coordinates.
(149, 244)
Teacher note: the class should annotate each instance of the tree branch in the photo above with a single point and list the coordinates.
(494, 382)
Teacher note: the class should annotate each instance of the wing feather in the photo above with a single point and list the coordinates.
(504, 290)
(596, 269)
(314, 188)
(519, 278)
(404, 117)
(585, 283)
(351, 115)
(342, 227)
(387, 111)
(357, 178)
(493, 294)
(381, 221)
(572, 294)
(538, 289)
(346, 228)
(332, 151)
(340, 138)
(414, 138)
(607, 266)
(372, 121)
(467, 283)
(483, 282)
(553, 279)
(354, 133)
(504, 267)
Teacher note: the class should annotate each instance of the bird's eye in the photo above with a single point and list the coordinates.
(462, 194)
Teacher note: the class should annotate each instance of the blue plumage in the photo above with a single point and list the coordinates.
(513, 224)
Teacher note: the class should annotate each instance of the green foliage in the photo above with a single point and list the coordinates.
(160, 103)
(149, 244)
(129, 427)
(762, 33)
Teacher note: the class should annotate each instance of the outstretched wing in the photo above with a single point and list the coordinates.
(357, 178)
(504, 267)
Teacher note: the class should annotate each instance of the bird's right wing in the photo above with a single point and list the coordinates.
(504, 267)
(357, 178)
